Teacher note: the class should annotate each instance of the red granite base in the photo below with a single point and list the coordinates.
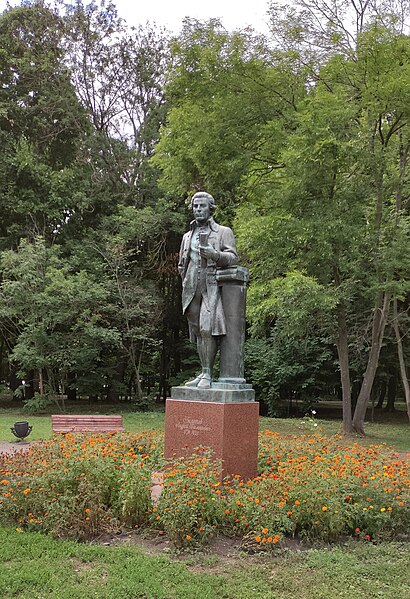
(229, 429)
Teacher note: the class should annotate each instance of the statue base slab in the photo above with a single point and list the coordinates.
(230, 430)
(220, 392)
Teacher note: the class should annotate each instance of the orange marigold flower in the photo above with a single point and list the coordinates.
(324, 508)
(188, 537)
(265, 530)
(258, 538)
(26, 491)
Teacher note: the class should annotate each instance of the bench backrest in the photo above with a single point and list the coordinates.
(63, 423)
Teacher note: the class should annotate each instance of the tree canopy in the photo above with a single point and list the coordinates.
(303, 138)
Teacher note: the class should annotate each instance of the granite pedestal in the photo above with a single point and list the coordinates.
(229, 428)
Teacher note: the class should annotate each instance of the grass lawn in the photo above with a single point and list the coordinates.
(36, 566)
(134, 422)
(393, 432)
(33, 565)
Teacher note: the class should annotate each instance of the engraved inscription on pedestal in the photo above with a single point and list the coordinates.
(192, 426)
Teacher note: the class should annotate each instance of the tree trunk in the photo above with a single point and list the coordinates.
(379, 324)
(403, 370)
(40, 381)
(391, 393)
(343, 353)
(71, 394)
(382, 394)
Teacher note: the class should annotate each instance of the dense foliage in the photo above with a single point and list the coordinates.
(302, 137)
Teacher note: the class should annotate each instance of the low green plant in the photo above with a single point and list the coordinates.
(134, 498)
(189, 509)
(39, 403)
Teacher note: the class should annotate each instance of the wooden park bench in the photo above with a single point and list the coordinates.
(90, 423)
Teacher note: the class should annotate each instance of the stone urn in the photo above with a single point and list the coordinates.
(21, 430)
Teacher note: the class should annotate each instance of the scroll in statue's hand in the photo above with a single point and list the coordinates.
(208, 252)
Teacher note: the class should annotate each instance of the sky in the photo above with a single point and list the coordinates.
(234, 14)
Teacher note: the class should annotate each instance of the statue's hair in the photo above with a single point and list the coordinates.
(203, 195)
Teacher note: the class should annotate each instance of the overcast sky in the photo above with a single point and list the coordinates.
(234, 14)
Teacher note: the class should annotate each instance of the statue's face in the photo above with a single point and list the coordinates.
(202, 213)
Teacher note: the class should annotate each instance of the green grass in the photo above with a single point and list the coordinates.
(135, 422)
(34, 566)
(395, 433)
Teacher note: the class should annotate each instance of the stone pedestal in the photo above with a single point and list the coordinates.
(230, 429)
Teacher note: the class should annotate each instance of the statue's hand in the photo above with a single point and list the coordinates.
(208, 252)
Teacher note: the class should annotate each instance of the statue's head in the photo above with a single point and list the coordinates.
(203, 196)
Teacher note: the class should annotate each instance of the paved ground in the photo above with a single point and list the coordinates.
(11, 447)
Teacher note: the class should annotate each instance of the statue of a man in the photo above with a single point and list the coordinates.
(206, 247)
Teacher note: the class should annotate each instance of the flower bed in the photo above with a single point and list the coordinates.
(308, 486)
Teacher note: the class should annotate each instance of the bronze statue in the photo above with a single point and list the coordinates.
(205, 248)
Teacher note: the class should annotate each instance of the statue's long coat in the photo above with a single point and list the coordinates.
(221, 239)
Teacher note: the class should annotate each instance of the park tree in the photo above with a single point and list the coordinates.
(223, 89)
(341, 194)
(42, 125)
(81, 106)
(318, 173)
(61, 318)
(119, 75)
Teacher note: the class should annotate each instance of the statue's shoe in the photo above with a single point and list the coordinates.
(205, 382)
(194, 382)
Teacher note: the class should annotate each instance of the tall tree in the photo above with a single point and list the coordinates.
(41, 126)
(223, 89)
(320, 172)
(364, 63)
